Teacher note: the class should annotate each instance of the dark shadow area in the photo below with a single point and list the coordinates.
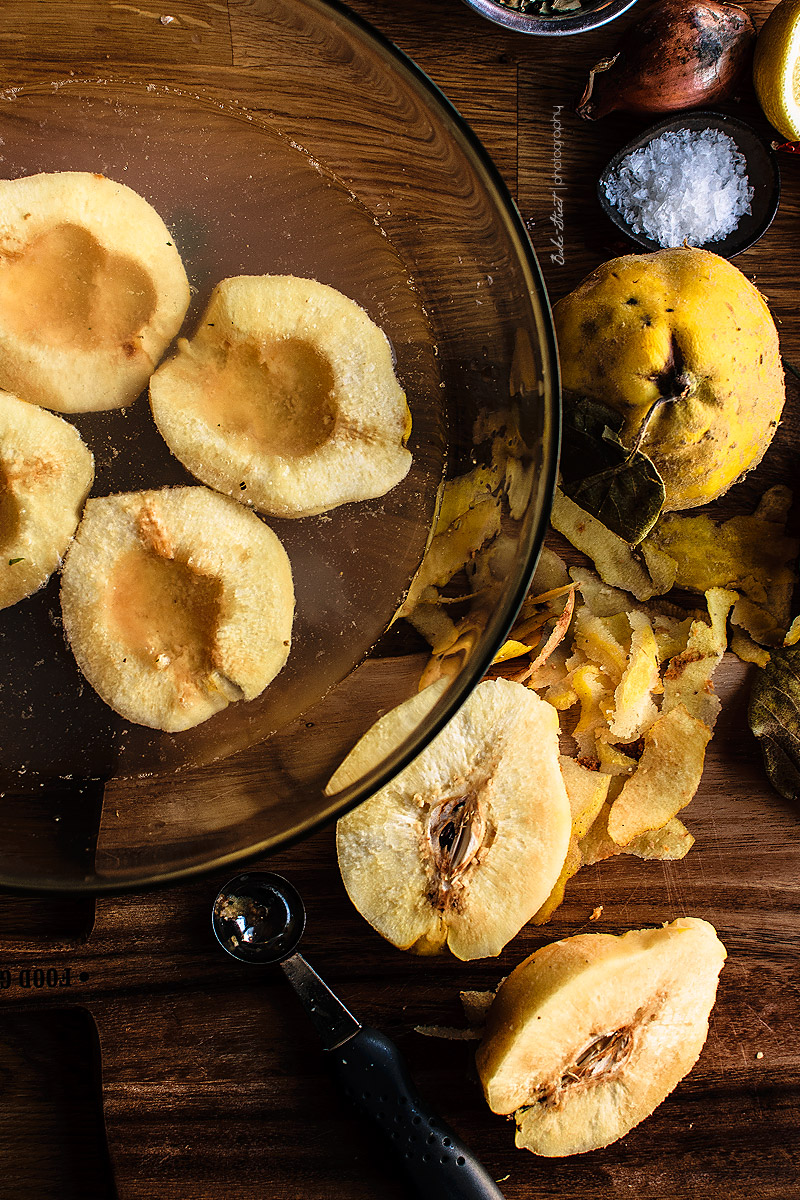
(63, 920)
(52, 1133)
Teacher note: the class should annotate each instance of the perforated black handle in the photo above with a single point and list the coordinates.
(437, 1164)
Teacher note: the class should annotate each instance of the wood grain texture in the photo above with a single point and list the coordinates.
(212, 1082)
(474, 66)
(194, 31)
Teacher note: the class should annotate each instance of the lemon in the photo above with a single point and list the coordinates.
(776, 68)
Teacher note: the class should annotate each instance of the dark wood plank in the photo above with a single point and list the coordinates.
(112, 31)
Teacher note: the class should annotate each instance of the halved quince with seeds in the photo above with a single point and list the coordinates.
(285, 398)
(175, 603)
(588, 1035)
(92, 290)
(464, 845)
(46, 472)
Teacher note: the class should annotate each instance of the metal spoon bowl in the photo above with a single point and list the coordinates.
(258, 918)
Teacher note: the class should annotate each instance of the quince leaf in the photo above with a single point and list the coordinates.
(583, 441)
(627, 498)
(774, 716)
(622, 487)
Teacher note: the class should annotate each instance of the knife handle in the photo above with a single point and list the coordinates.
(438, 1166)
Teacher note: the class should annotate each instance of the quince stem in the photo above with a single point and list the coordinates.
(675, 384)
(653, 409)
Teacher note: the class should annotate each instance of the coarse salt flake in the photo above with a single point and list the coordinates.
(683, 187)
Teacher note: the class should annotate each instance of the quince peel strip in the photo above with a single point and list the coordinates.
(558, 634)
(476, 1005)
(666, 779)
(451, 548)
(793, 633)
(644, 575)
(519, 644)
(687, 679)
(749, 554)
(634, 690)
(673, 841)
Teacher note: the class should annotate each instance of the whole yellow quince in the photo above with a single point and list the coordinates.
(683, 327)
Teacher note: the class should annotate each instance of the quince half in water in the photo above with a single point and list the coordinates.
(176, 603)
(285, 398)
(46, 472)
(684, 347)
(92, 290)
(589, 1034)
(463, 847)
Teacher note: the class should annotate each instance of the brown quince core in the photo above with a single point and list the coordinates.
(457, 832)
(176, 603)
(285, 398)
(92, 290)
(602, 1058)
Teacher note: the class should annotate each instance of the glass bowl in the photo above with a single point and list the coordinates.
(379, 189)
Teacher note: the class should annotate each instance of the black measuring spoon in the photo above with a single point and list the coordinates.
(258, 917)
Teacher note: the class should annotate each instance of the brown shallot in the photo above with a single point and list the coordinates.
(681, 54)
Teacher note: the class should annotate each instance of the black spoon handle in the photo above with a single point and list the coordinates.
(437, 1164)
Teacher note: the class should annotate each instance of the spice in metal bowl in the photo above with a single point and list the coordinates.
(683, 187)
(543, 8)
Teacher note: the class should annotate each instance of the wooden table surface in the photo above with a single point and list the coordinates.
(212, 1083)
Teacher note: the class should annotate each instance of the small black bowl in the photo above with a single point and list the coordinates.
(590, 16)
(762, 171)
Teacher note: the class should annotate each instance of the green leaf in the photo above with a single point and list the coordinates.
(774, 716)
(619, 487)
(12, 561)
(584, 449)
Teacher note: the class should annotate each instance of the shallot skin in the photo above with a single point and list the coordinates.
(682, 54)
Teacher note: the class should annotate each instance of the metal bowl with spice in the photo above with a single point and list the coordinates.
(551, 18)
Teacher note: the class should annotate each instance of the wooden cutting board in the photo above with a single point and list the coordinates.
(210, 1078)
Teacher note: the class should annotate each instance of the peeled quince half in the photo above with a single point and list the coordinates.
(176, 603)
(46, 472)
(588, 1035)
(285, 398)
(92, 290)
(684, 347)
(464, 845)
